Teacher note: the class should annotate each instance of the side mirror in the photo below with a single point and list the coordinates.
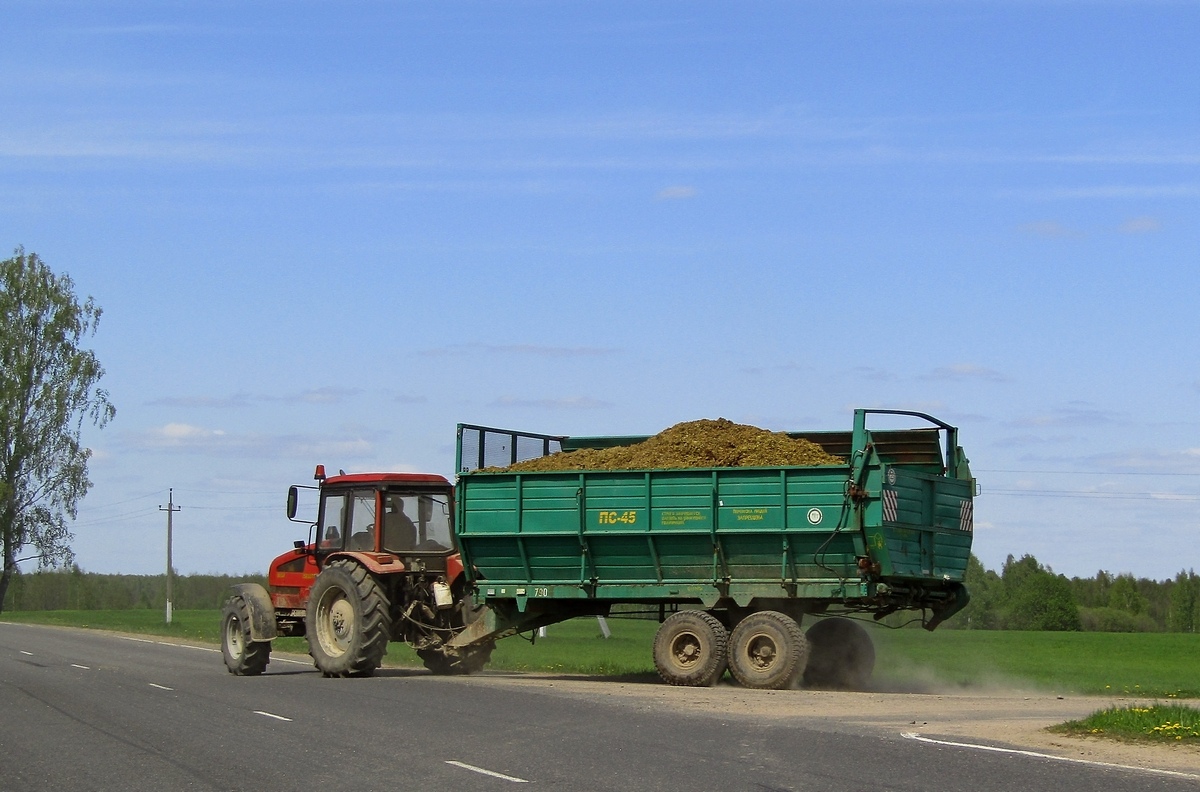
(293, 499)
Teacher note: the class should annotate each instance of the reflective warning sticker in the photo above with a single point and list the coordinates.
(966, 516)
(889, 505)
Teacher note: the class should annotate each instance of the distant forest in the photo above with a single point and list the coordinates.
(1023, 595)
(74, 589)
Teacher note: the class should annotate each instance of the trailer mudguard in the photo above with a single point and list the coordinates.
(262, 612)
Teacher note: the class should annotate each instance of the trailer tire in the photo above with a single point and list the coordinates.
(691, 649)
(841, 656)
(767, 651)
(348, 621)
(243, 655)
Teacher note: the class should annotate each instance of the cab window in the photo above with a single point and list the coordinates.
(333, 522)
(362, 521)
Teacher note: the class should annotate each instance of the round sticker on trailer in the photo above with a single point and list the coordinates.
(891, 475)
(814, 516)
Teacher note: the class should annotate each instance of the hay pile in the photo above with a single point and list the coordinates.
(694, 444)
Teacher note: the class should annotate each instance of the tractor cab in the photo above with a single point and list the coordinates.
(403, 515)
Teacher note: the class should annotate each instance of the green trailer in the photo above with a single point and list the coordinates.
(730, 560)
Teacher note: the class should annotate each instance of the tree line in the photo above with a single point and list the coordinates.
(1023, 595)
(1027, 595)
(74, 589)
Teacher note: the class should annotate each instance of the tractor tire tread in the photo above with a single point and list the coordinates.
(252, 657)
(370, 646)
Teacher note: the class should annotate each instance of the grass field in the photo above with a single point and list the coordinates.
(1147, 665)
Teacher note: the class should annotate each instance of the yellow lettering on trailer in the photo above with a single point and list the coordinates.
(680, 517)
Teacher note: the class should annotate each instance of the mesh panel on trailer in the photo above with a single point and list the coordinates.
(469, 449)
(534, 447)
(481, 447)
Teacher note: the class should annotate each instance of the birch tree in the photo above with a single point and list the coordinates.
(48, 389)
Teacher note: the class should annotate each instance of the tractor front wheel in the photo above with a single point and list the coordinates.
(348, 621)
(243, 655)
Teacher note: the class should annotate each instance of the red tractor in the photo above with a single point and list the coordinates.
(380, 565)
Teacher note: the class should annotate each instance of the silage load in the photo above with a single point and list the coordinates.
(693, 444)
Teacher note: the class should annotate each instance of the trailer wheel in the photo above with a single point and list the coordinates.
(842, 655)
(691, 649)
(243, 656)
(767, 651)
(348, 621)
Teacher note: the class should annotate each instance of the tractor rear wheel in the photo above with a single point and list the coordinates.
(243, 655)
(691, 649)
(767, 651)
(348, 621)
(842, 655)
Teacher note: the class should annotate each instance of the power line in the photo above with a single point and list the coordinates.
(1090, 472)
(237, 508)
(128, 500)
(1154, 496)
(112, 518)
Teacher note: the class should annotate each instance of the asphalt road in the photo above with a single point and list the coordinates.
(82, 710)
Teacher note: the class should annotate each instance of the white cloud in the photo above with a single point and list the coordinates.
(1141, 225)
(1070, 416)
(1113, 191)
(563, 403)
(238, 400)
(1159, 461)
(676, 193)
(875, 374)
(326, 395)
(965, 371)
(1050, 229)
(536, 350)
(189, 439)
(178, 435)
(1025, 440)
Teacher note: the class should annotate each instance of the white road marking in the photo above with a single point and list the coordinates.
(188, 646)
(76, 665)
(208, 649)
(1037, 755)
(286, 660)
(272, 715)
(491, 773)
(27, 654)
(160, 687)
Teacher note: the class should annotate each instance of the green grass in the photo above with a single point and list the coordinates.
(1146, 665)
(1171, 723)
(1149, 665)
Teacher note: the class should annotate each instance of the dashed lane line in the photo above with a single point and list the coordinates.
(204, 649)
(1037, 755)
(272, 715)
(486, 772)
(160, 687)
(76, 665)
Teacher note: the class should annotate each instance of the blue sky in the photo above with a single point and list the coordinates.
(328, 232)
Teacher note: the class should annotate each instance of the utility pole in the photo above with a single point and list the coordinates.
(170, 509)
